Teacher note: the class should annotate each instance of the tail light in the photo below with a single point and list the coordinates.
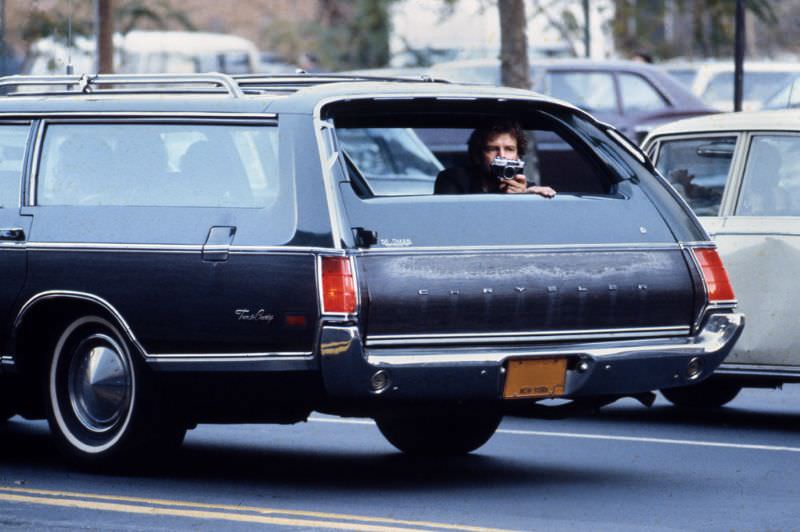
(338, 286)
(718, 287)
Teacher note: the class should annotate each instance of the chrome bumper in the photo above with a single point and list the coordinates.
(618, 367)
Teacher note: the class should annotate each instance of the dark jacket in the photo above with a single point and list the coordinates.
(461, 180)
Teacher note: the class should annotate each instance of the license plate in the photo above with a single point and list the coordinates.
(543, 377)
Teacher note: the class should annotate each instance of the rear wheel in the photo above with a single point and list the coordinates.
(101, 405)
(708, 394)
(454, 432)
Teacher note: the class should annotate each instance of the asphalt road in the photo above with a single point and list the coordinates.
(628, 468)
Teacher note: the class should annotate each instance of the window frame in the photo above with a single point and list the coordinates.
(619, 74)
(31, 189)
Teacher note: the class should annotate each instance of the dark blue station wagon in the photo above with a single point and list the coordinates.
(205, 249)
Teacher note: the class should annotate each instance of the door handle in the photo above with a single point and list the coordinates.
(12, 233)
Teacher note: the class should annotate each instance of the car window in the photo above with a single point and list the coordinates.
(771, 182)
(639, 95)
(757, 86)
(197, 165)
(394, 161)
(13, 139)
(698, 168)
(591, 91)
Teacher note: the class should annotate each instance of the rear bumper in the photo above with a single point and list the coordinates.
(617, 367)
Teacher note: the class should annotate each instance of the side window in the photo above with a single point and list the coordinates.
(591, 91)
(771, 182)
(698, 168)
(638, 95)
(12, 154)
(190, 165)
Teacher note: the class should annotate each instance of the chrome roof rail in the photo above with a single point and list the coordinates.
(85, 82)
(300, 80)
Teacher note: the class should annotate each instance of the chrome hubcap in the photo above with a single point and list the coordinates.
(99, 383)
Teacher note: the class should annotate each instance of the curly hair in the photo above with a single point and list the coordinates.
(479, 137)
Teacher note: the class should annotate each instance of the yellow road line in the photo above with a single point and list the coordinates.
(54, 497)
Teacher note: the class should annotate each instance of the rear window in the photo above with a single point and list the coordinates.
(385, 160)
(189, 165)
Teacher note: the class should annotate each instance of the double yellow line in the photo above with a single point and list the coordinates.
(224, 512)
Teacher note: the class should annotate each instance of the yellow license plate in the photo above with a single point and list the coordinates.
(543, 377)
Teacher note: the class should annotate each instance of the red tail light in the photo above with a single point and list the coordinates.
(338, 286)
(716, 278)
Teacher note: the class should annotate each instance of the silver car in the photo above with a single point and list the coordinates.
(740, 173)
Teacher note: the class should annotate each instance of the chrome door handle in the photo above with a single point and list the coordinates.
(12, 233)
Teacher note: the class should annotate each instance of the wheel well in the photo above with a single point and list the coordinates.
(34, 340)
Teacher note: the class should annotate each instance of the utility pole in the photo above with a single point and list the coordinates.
(104, 32)
(738, 57)
(587, 32)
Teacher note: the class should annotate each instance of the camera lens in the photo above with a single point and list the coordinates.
(509, 172)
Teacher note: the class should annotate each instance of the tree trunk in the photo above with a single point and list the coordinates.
(514, 66)
(105, 32)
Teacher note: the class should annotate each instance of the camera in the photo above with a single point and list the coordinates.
(506, 168)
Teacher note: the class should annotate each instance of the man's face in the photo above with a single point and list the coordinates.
(500, 145)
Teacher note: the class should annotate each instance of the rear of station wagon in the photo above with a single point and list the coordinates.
(184, 256)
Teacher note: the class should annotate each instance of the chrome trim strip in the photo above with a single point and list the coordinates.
(527, 336)
(327, 179)
(764, 370)
(519, 248)
(7, 360)
(719, 331)
(37, 147)
(288, 355)
(171, 248)
(135, 114)
(51, 294)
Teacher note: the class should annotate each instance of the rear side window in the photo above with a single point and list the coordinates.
(190, 165)
(771, 186)
(638, 95)
(591, 91)
(13, 139)
(698, 168)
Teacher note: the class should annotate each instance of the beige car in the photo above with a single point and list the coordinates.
(740, 174)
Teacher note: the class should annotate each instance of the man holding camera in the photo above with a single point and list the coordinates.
(495, 153)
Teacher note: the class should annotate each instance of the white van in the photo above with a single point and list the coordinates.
(150, 52)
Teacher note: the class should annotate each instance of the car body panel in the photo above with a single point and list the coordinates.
(759, 252)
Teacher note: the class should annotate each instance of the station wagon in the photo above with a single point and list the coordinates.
(192, 249)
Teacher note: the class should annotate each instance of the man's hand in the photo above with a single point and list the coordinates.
(547, 192)
(517, 185)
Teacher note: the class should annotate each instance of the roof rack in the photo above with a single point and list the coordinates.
(293, 82)
(87, 83)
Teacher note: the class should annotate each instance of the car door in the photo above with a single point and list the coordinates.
(14, 227)
(760, 245)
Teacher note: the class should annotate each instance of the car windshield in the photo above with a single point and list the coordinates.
(394, 161)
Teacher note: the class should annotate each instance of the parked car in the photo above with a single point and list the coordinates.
(217, 256)
(714, 83)
(785, 97)
(740, 173)
(632, 96)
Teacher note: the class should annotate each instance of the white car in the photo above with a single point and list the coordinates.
(740, 174)
(714, 83)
